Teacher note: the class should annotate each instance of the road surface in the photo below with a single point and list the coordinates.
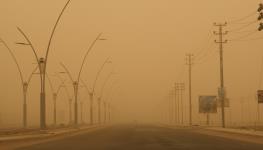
(144, 137)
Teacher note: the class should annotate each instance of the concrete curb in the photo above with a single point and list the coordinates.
(216, 129)
(237, 131)
(46, 134)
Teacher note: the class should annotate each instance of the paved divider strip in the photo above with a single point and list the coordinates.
(42, 134)
(237, 131)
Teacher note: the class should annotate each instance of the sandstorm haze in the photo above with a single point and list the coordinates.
(146, 41)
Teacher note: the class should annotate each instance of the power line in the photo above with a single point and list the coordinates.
(182, 72)
(244, 36)
(243, 27)
(242, 18)
(242, 23)
(253, 39)
(209, 37)
(213, 52)
(241, 32)
(204, 48)
(206, 52)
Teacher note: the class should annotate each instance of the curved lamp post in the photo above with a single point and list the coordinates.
(85, 86)
(55, 95)
(76, 82)
(107, 105)
(92, 93)
(81, 103)
(42, 64)
(69, 98)
(101, 94)
(24, 83)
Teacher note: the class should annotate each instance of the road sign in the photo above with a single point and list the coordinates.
(260, 96)
(207, 104)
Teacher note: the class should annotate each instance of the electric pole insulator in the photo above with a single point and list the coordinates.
(260, 16)
(260, 7)
(260, 27)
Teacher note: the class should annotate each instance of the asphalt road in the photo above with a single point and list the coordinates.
(144, 137)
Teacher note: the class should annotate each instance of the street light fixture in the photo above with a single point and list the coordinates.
(111, 92)
(42, 64)
(69, 97)
(107, 61)
(76, 82)
(109, 105)
(24, 83)
(55, 94)
(101, 94)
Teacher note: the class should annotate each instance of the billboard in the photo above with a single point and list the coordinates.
(207, 104)
(260, 96)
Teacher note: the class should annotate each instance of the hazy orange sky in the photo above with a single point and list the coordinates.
(147, 41)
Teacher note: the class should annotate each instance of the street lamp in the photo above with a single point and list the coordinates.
(110, 107)
(111, 93)
(42, 65)
(107, 61)
(76, 82)
(24, 83)
(69, 98)
(81, 112)
(55, 96)
(101, 94)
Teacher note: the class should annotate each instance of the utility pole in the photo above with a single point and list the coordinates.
(178, 101)
(169, 111)
(55, 108)
(81, 112)
(75, 86)
(91, 108)
(207, 119)
(181, 88)
(176, 105)
(260, 28)
(171, 107)
(70, 111)
(109, 112)
(189, 62)
(25, 88)
(222, 88)
(105, 112)
(99, 110)
(242, 110)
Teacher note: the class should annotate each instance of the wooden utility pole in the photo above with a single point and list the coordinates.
(170, 107)
(180, 87)
(189, 62)
(176, 105)
(220, 33)
(207, 119)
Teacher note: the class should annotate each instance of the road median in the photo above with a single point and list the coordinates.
(236, 131)
(42, 134)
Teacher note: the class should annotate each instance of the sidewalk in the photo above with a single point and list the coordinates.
(43, 133)
(237, 131)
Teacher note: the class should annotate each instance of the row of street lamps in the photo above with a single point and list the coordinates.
(42, 68)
